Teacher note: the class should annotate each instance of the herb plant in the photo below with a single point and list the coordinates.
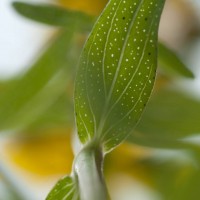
(115, 78)
(114, 81)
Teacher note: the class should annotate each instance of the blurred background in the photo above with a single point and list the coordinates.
(40, 43)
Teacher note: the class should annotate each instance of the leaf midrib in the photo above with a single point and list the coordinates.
(138, 66)
(103, 119)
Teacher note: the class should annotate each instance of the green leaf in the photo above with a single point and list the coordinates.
(171, 62)
(58, 115)
(55, 15)
(189, 189)
(41, 86)
(117, 71)
(65, 189)
(169, 117)
(174, 179)
(33, 109)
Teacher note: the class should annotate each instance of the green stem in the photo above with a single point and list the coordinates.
(88, 169)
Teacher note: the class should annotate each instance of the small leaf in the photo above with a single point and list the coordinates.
(87, 182)
(117, 71)
(65, 189)
(55, 15)
(171, 62)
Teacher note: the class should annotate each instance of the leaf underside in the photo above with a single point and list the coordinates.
(65, 189)
(117, 71)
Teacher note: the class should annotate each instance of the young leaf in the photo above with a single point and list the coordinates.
(117, 71)
(170, 61)
(65, 189)
(55, 15)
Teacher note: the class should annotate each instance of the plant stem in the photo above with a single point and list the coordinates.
(88, 169)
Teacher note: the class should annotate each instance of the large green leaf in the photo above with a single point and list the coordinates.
(54, 15)
(65, 189)
(117, 71)
(171, 62)
(58, 16)
(41, 86)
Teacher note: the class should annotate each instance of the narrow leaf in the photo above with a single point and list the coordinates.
(54, 15)
(171, 62)
(169, 117)
(117, 71)
(32, 91)
(65, 189)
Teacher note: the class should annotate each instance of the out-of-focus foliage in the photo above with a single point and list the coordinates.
(41, 86)
(41, 99)
(180, 118)
(31, 152)
(170, 61)
(56, 16)
(174, 180)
